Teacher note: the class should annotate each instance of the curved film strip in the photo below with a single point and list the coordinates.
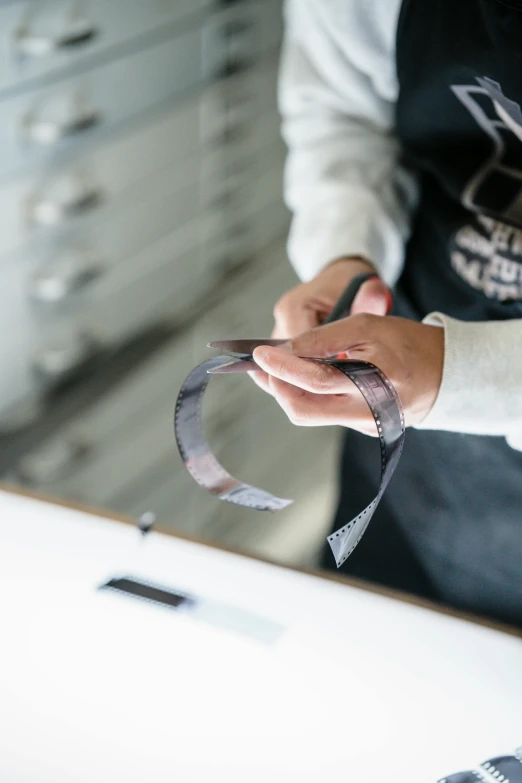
(377, 390)
(502, 769)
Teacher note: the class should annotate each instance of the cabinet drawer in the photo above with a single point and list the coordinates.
(124, 439)
(136, 296)
(231, 39)
(226, 103)
(231, 138)
(85, 205)
(162, 281)
(75, 468)
(78, 466)
(154, 383)
(239, 96)
(46, 124)
(239, 114)
(120, 412)
(69, 283)
(235, 36)
(45, 39)
(113, 417)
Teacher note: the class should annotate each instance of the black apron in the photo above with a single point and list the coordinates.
(450, 524)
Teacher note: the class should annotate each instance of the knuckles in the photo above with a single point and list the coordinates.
(324, 341)
(365, 324)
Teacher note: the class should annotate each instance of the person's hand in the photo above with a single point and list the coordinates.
(307, 305)
(411, 354)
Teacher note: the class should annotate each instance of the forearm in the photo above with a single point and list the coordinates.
(481, 389)
(343, 182)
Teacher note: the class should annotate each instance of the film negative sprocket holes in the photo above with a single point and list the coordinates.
(382, 399)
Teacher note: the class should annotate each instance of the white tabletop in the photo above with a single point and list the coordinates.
(275, 676)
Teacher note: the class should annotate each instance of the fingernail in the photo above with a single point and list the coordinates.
(268, 353)
(261, 353)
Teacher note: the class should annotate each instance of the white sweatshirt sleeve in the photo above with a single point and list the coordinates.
(481, 389)
(337, 93)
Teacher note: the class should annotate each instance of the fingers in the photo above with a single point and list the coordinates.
(294, 315)
(373, 297)
(311, 394)
(306, 375)
(305, 409)
(307, 305)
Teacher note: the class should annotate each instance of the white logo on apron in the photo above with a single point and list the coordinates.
(487, 254)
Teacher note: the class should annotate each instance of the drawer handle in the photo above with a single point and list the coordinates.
(48, 132)
(53, 463)
(235, 133)
(234, 66)
(57, 362)
(51, 212)
(33, 45)
(55, 282)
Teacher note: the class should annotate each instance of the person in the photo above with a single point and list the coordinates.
(404, 134)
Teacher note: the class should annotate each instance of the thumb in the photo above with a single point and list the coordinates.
(373, 297)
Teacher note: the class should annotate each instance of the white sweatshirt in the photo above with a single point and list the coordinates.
(338, 86)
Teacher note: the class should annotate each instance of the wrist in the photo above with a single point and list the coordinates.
(347, 267)
(430, 378)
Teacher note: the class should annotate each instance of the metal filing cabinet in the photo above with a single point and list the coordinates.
(125, 127)
(140, 184)
(149, 396)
